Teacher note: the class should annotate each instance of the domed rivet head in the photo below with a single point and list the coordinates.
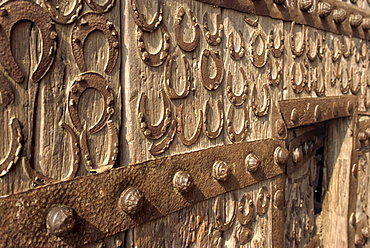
(366, 24)
(365, 232)
(362, 136)
(339, 15)
(279, 199)
(221, 171)
(324, 9)
(281, 155)
(305, 5)
(182, 182)
(359, 239)
(297, 155)
(294, 116)
(131, 200)
(61, 220)
(317, 113)
(355, 20)
(252, 163)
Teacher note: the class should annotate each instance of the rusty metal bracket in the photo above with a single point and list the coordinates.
(307, 111)
(86, 24)
(186, 46)
(24, 214)
(64, 18)
(100, 8)
(14, 11)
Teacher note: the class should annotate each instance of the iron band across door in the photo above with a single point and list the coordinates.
(121, 198)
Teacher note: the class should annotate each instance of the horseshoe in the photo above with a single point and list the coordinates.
(180, 128)
(90, 80)
(276, 52)
(321, 91)
(15, 147)
(336, 55)
(186, 46)
(211, 83)
(358, 55)
(14, 11)
(298, 87)
(85, 25)
(63, 18)
(100, 8)
(213, 39)
(312, 81)
(308, 47)
(233, 135)
(237, 100)
(345, 89)
(213, 134)
(171, 92)
(112, 149)
(236, 55)
(354, 90)
(158, 130)
(40, 179)
(347, 53)
(258, 60)
(6, 91)
(153, 59)
(245, 219)
(164, 144)
(322, 49)
(262, 111)
(274, 81)
(300, 51)
(221, 225)
(140, 19)
(337, 75)
(263, 194)
(250, 22)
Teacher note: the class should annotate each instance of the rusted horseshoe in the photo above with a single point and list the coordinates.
(320, 91)
(85, 25)
(236, 55)
(351, 80)
(100, 8)
(7, 93)
(112, 149)
(349, 51)
(14, 11)
(311, 57)
(262, 111)
(140, 19)
(274, 81)
(298, 87)
(213, 134)
(237, 100)
(171, 92)
(223, 226)
(84, 81)
(336, 52)
(153, 59)
(63, 18)
(164, 144)
(15, 148)
(357, 54)
(186, 46)
(250, 22)
(213, 39)
(258, 60)
(276, 52)
(312, 80)
(158, 130)
(263, 194)
(232, 134)
(345, 89)
(245, 219)
(211, 83)
(322, 49)
(337, 76)
(40, 179)
(180, 127)
(300, 51)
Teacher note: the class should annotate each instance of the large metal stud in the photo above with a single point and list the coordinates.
(61, 220)
(131, 200)
(281, 155)
(221, 171)
(324, 9)
(252, 163)
(355, 20)
(183, 182)
(339, 15)
(297, 155)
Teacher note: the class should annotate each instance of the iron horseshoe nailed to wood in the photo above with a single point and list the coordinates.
(64, 18)
(236, 55)
(263, 110)
(85, 25)
(233, 135)
(140, 19)
(213, 39)
(237, 100)
(100, 8)
(223, 226)
(84, 81)
(207, 130)
(276, 51)
(14, 11)
(180, 127)
(211, 83)
(171, 92)
(293, 47)
(245, 219)
(258, 60)
(40, 179)
(154, 131)
(164, 144)
(186, 46)
(263, 194)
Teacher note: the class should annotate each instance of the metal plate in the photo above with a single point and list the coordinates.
(95, 198)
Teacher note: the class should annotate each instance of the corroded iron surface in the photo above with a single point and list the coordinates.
(96, 198)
